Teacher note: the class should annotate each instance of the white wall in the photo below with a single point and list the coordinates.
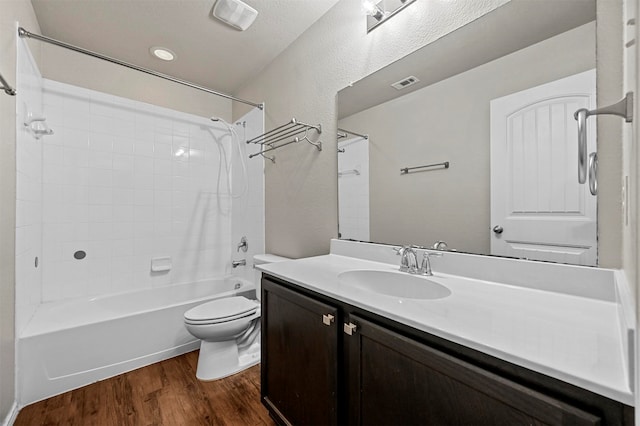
(302, 82)
(12, 11)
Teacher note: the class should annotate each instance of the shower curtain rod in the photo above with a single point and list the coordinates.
(6, 87)
(24, 33)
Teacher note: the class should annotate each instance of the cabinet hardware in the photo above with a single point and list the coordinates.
(350, 328)
(327, 319)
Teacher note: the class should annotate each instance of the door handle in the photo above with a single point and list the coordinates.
(498, 229)
(327, 319)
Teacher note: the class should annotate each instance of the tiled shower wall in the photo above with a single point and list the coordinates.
(29, 189)
(125, 182)
(353, 189)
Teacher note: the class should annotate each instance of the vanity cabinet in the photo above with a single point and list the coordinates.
(300, 346)
(396, 380)
(327, 362)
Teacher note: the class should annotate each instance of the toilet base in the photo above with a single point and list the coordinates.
(221, 359)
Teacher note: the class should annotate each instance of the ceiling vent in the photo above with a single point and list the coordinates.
(405, 82)
(235, 13)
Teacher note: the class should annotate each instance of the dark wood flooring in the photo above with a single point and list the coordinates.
(165, 393)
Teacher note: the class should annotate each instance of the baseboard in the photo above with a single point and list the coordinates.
(12, 415)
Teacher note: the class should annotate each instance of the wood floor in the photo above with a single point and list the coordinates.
(166, 393)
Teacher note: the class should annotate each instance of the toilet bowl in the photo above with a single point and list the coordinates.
(229, 330)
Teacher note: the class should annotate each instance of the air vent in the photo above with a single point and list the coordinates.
(405, 82)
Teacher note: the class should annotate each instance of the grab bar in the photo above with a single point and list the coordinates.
(623, 108)
(593, 173)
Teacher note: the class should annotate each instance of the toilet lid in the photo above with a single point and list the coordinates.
(224, 309)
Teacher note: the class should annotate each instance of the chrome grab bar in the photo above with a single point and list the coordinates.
(581, 116)
(622, 108)
(593, 173)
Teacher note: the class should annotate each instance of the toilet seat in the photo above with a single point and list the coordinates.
(220, 311)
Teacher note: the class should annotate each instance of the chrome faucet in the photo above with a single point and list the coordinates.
(236, 263)
(440, 245)
(425, 267)
(408, 259)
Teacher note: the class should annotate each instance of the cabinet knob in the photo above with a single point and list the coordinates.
(327, 319)
(350, 328)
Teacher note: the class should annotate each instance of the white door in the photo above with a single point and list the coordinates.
(538, 209)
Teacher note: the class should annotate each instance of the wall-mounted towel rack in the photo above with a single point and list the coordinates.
(406, 170)
(6, 87)
(343, 133)
(285, 135)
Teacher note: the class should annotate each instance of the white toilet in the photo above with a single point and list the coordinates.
(230, 331)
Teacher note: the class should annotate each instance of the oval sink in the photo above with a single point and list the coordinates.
(395, 284)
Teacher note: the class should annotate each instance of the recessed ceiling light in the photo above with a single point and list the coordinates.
(163, 53)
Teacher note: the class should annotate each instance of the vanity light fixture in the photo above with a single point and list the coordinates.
(162, 53)
(379, 11)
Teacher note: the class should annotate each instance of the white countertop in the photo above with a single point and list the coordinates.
(571, 338)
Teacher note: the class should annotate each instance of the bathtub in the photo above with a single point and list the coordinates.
(73, 343)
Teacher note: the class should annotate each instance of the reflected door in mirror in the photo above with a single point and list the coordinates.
(542, 211)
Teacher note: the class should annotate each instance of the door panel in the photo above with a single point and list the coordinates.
(535, 196)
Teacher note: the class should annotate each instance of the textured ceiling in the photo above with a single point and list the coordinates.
(208, 52)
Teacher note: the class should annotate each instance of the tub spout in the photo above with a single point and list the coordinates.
(236, 263)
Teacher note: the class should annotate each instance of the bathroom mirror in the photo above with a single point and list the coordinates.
(440, 114)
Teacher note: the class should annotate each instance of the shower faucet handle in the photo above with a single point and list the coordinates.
(244, 245)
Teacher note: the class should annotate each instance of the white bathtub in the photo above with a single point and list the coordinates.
(70, 344)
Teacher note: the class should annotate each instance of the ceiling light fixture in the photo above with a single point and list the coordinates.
(379, 11)
(162, 53)
(235, 13)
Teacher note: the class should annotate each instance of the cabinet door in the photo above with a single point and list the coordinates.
(394, 380)
(299, 357)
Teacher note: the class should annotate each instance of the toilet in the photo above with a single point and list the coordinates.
(229, 330)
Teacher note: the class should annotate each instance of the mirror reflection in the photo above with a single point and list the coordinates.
(494, 100)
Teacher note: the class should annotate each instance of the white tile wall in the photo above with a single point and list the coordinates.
(29, 189)
(353, 189)
(125, 182)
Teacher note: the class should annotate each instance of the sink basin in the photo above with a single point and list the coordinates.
(395, 284)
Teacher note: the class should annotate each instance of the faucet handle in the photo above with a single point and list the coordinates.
(425, 266)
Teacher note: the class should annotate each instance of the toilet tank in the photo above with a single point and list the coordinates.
(261, 259)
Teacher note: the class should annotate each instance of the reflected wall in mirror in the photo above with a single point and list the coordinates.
(444, 115)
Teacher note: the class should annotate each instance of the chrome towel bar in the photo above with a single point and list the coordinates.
(406, 170)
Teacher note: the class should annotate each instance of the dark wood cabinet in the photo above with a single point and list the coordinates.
(327, 362)
(300, 357)
(395, 380)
